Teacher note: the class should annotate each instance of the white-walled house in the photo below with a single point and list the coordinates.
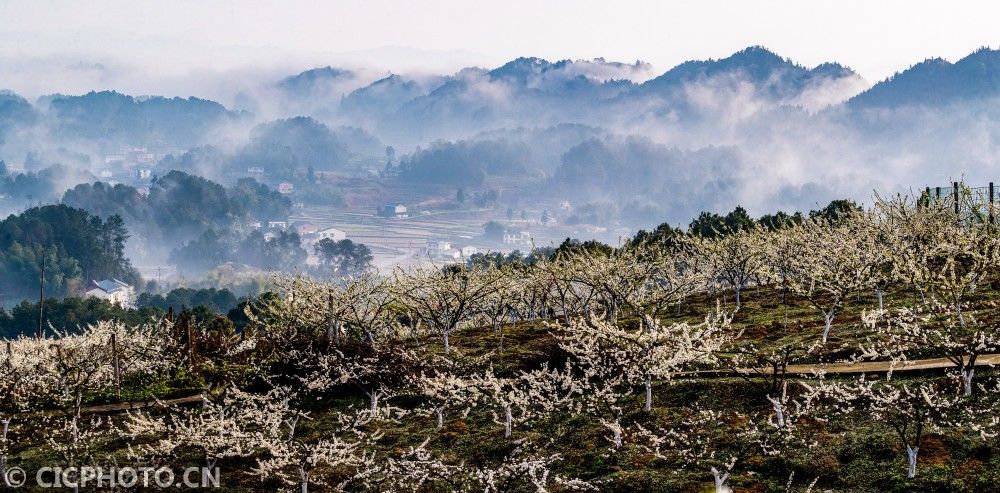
(331, 233)
(437, 247)
(117, 292)
(520, 238)
(393, 210)
(305, 229)
(450, 254)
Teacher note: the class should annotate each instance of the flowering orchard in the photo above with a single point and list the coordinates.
(763, 360)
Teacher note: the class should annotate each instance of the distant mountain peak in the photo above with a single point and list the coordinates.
(520, 69)
(936, 81)
(307, 80)
(756, 64)
(833, 70)
(759, 54)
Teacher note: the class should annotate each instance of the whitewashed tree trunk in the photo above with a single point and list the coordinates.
(508, 420)
(373, 397)
(440, 416)
(649, 393)
(447, 347)
(779, 411)
(76, 443)
(303, 480)
(881, 295)
(911, 455)
(648, 406)
(828, 322)
(967, 375)
(720, 481)
(738, 289)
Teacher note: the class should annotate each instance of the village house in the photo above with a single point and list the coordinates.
(305, 229)
(393, 210)
(285, 187)
(332, 234)
(519, 238)
(436, 247)
(117, 292)
(468, 251)
(451, 255)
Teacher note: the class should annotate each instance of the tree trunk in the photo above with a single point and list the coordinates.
(967, 375)
(373, 397)
(738, 289)
(330, 322)
(612, 312)
(880, 294)
(440, 417)
(3, 449)
(720, 481)
(911, 456)
(649, 394)
(617, 436)
(647, 322)
(76, 443)
(827, 323)
(447, 347)
(303, 480)
(779, 411)
(508, 421)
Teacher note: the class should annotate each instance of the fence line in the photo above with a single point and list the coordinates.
(975, 200)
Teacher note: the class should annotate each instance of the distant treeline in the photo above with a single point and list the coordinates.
(70, 314)
(74, 246)
(180, 206)
(283, 149)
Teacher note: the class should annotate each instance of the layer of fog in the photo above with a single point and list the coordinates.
(790, 154)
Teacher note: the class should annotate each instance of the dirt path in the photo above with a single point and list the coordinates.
(125, 406)
(883, 366)
(128, 406)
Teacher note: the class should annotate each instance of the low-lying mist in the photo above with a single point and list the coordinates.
(752, 129)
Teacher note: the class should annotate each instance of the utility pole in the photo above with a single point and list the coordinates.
(41, 298)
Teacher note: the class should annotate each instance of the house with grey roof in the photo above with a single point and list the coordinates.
(117, 292)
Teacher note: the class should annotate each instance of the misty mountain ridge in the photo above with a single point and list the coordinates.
(306, 82)
(778, 77)
(744, 129)
(110, 115)
(936, 82)
(526, 89)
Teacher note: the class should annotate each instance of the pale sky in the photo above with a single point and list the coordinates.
(874, 37)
